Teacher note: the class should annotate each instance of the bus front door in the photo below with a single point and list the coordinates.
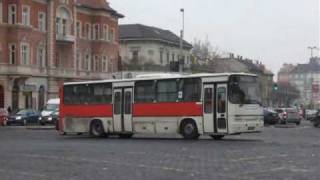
(122, 109)
(208, 108)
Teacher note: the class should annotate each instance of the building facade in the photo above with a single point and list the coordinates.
(44, 43)
(150, 46)
(306, 78)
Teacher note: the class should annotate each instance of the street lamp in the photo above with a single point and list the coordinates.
(181, 63)
(312, 49)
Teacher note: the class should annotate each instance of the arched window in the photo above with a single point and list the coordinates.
(63, 22)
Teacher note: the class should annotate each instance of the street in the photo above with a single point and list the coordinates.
(277, 153)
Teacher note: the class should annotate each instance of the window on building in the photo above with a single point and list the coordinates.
(41, 57)
(87, 62)
(12, 19)
(96, 32)
(1, 53)
(64, 2)
(78, 60)
(12, 53)
(168, 58)
(104, 33)
(78, 29)
(144, 91)
(111, 35)
(25, 54)
(167, 91)
(26, 15)
(104, 64)
(96, 66)
(42, 21)
(173, 57)
(161, 56)
(63, 22)
(88, 31)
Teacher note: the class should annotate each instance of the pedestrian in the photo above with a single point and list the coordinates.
(9, 110)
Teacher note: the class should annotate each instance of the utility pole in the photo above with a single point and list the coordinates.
(181, 59)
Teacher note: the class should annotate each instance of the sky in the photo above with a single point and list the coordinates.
(271, 31)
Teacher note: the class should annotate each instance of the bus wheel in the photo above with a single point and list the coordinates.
(217, 137)
(189, 129)
(125, 136)
(96, 129)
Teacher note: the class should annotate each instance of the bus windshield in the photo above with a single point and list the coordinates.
(244, 90)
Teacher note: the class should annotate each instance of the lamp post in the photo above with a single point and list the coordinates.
(181, 63)
(312, 49)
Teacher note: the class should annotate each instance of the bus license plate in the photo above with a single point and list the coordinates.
(250, 128)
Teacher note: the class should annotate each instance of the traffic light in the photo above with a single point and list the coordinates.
(275, 87)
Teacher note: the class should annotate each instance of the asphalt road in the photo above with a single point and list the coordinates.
(276, 153)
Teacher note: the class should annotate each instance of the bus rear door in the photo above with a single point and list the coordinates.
(122, 109)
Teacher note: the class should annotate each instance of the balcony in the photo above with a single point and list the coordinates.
(8, 69)
(65, 38)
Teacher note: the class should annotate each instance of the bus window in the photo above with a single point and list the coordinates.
(68, 94)
(100, 94)
(167, 91)
(208, 101)
(144, 91)
(191, 89)
(244, 90)
(128, 101)
(222, 100)
(117, 103)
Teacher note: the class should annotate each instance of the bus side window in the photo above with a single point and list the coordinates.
(107, 94)
(144, 91)
(191, 90)
(167, 91)
(68, 94)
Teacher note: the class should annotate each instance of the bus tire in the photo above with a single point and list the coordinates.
(97, 129)
(189, 129)
(217, 137)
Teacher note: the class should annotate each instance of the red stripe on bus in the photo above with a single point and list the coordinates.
(84, 111)
(167, 109)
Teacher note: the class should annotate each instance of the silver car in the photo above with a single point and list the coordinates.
(289, 115)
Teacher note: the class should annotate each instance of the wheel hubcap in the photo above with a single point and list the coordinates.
(189, 129)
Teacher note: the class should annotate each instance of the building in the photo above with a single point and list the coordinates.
(284, 73)
(44, 43)
(306, 78)
(144, 47)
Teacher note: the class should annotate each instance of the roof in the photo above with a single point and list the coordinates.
(306, 68)
(142, 32)
(101, 5)
(164, 77)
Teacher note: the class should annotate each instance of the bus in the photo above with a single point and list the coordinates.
(191, 105)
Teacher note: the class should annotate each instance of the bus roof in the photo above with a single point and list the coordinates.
(160, 76)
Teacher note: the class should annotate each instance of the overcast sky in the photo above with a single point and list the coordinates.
(273, 31)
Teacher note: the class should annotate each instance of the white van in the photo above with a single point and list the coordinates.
(51, 106)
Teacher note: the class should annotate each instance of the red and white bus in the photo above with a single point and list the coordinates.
(190, 105)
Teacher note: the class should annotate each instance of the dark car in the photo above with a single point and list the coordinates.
(270, 117)
(3, 117)
(50, 119)
(24, 117)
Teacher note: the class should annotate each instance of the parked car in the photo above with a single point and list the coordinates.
(50, 119)
(311, 114)
(24, 117)
(289, 115)
(270, 116)
(3, 117)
